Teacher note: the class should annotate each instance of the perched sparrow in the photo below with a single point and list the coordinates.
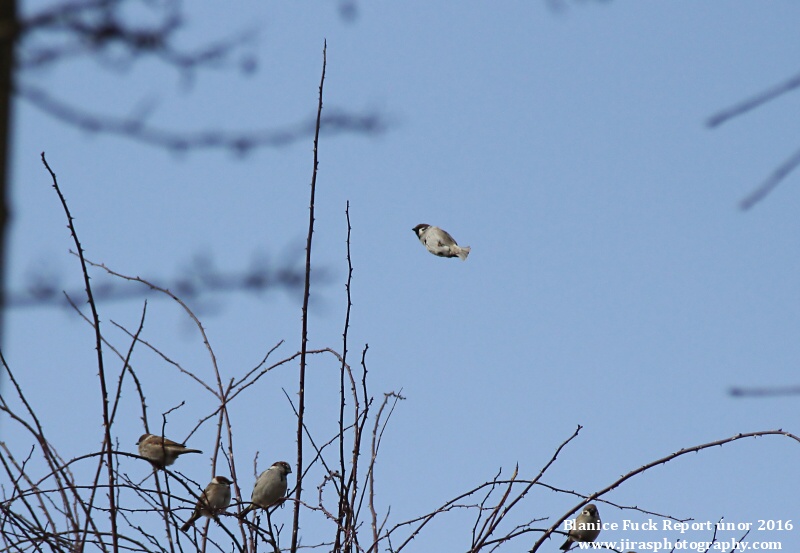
(161, 451)
(439, 242)
(587, 527)
(215, 498)
(270, 487)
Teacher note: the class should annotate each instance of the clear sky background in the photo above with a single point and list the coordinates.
(613, 281)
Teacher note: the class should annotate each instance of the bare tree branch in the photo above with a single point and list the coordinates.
(780, 173)
(100, 365)
(306, 293)
(765, 392)
(179, 141)
(785, 168)
(753, 102)
(655, 463)
(197, 282)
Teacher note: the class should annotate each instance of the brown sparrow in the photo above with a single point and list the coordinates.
(161, 451)
(214, 499)
(270, 487)
(439, 242)
(587, 527)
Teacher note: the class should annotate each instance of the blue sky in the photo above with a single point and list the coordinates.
(613, 281)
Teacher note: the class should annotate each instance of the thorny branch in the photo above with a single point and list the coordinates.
(100, 364)
(655, 463)
(301, 393)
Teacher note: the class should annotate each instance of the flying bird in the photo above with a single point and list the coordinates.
(439, 242)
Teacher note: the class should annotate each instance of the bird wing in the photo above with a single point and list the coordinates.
(167, 442)
(443, 238)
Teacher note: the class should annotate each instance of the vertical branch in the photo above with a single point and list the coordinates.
(343, 506)
(107, 446)
(371, 478)
(304, 336)
(117, 396)
(8, 36)
(231, 459)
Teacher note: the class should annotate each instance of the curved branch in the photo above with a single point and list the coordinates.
(657, 462)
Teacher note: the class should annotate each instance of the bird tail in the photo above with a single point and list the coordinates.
(463, 252)
(188, 524)
(566, 545)
(245, 511)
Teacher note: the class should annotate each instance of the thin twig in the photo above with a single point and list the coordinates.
(99, 348)
(780, 173)
(343, 506)
(753, 102)
(304, 336)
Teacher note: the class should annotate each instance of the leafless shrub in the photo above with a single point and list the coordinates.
(60, 508)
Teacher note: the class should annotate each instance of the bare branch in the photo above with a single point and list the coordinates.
(780, 173)
(306, 293)
(195, 282)
(99, 347)
(99, 29)
(765, 392)
(785, 168)
(655, 463)
(753, 102)
(179, 141)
